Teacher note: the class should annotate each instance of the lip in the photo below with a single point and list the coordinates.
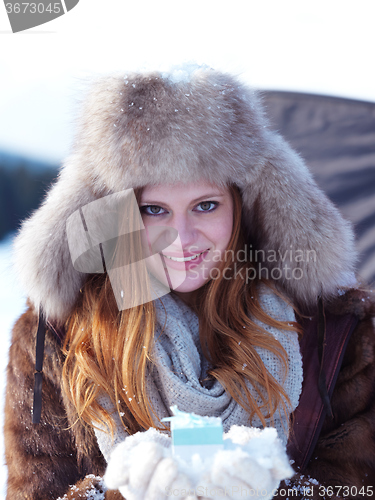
(182, 266)
(185, 254)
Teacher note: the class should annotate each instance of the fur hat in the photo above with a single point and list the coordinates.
(154, 128)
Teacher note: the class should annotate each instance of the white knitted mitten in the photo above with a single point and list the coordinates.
(252, 464)
(142, 468)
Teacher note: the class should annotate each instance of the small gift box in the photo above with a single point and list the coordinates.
(193, 434)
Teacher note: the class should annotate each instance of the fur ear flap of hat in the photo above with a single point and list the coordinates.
(151, 128)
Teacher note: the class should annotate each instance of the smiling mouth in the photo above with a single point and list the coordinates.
(185, 259)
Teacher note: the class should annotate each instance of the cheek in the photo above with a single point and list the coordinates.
(156, 236)
(220, 232)
(227, 226)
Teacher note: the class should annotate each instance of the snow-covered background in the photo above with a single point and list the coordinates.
(318, 47)
(12, 304)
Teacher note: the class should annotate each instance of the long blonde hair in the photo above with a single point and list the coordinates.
(107, 350)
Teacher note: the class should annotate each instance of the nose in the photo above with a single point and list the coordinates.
(186, 229)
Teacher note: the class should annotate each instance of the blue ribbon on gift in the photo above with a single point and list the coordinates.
(197, 436)
(192, 429)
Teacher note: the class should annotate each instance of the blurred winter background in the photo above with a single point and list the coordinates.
(313, 57)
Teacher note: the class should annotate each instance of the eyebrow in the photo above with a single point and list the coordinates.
(207, 196)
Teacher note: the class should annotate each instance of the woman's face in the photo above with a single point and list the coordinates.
(201, 214)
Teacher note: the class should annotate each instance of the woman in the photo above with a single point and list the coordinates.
(263, 247)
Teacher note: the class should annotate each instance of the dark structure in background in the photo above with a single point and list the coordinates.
(23, 183)
(336, 137)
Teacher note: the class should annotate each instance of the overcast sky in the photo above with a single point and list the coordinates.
(315, 46)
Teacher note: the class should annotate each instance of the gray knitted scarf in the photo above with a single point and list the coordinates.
(179, 370)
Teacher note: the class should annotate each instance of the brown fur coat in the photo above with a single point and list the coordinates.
(60, 456)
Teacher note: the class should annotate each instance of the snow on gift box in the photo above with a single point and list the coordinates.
(249, 462)
(193, 434)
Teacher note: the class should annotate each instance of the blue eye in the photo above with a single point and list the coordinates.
(208, 206)
(156, 210)
(152, 210)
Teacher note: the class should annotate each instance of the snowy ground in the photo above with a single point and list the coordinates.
(12, 304)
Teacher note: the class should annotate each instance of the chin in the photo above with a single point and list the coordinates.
(190, 285)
